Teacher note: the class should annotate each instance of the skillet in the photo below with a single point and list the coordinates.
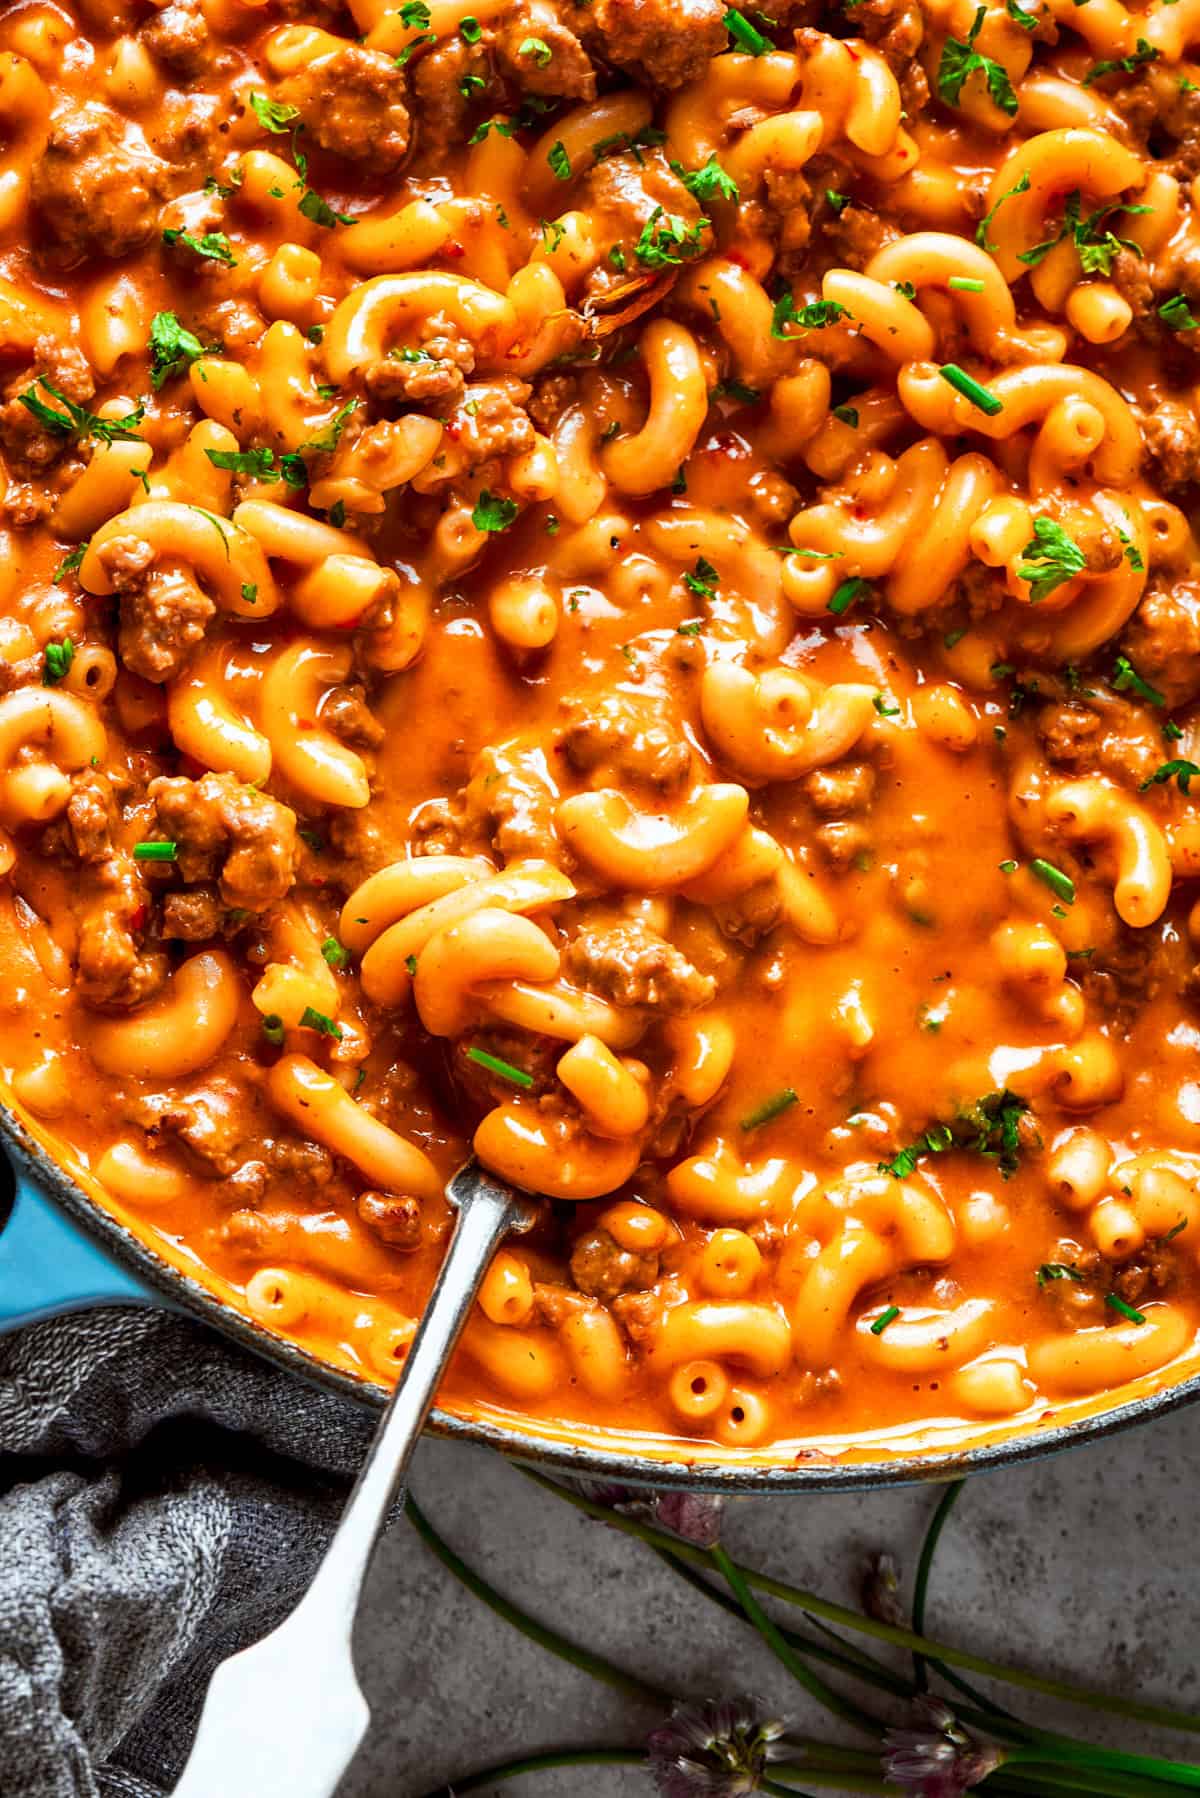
(61, 1251)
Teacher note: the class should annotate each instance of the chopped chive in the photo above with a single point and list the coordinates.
(884, 1319)
(1060, 884)
(745, 35)
(272, 1028)
(410, 962)
(972, 390)
(154, 852)
(1009, 867)
(1118, 1304)
(965, 284)
(846, 595)
(335, 953)
(770, 1108)
(504, 1069)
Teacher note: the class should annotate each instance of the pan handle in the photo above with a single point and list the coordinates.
(48, 1265)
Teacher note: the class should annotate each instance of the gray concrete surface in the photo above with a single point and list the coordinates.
(1084, 1565)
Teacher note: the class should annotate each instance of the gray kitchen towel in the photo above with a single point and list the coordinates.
(164, 1500)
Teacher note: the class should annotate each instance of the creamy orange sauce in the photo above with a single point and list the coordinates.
(737, 503)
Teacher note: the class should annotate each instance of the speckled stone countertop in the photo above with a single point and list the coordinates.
(1082, 1564)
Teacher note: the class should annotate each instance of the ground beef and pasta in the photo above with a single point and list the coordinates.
(613, 581)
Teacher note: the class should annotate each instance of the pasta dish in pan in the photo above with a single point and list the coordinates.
(613, 580)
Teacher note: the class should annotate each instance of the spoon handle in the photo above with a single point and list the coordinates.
(284, 1718)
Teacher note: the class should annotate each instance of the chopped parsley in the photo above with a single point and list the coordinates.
(77, 421)
(813, 317)
(1126, 679)
(960, 59)
(770, 1108)
(214, 246)
(1176, 314)
(1142, 52)
(490, 513)
(1028, 21)
(847, 415)
(981, 229)
(1060, 884)
(934, 1141)
(1057, 1270)
(668, 240)
(996, 1121)
(173, 348)
(1180, 771)
(260, 464)
(552, 234)
(56, 663)
(1096, 246)
(703, 579)
(273, 115)
(734, 390)
(503, 1069)
(560, 162)
(320, 211)
(71, 564)
(711, 182)
(312, 1019)
(990, 1127)
(1051, 559)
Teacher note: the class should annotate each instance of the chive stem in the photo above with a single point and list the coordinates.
(770, 1108)
(1060, 884)
(541, 1763)
(899, 1637)
(503, 1069)
(971, 389)
(769, 1631)
(541, 1633)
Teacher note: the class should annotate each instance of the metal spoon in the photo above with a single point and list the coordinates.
(284, 1718)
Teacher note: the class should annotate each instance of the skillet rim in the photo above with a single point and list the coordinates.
(580, 1460)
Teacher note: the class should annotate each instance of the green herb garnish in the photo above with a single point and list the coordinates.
(1051, 559)
(56, 661)
(505, 1069)
(961, 59)
(491, 513)
(312, 1019)
(770, 1108)
(971, 389)
(1060, 884)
